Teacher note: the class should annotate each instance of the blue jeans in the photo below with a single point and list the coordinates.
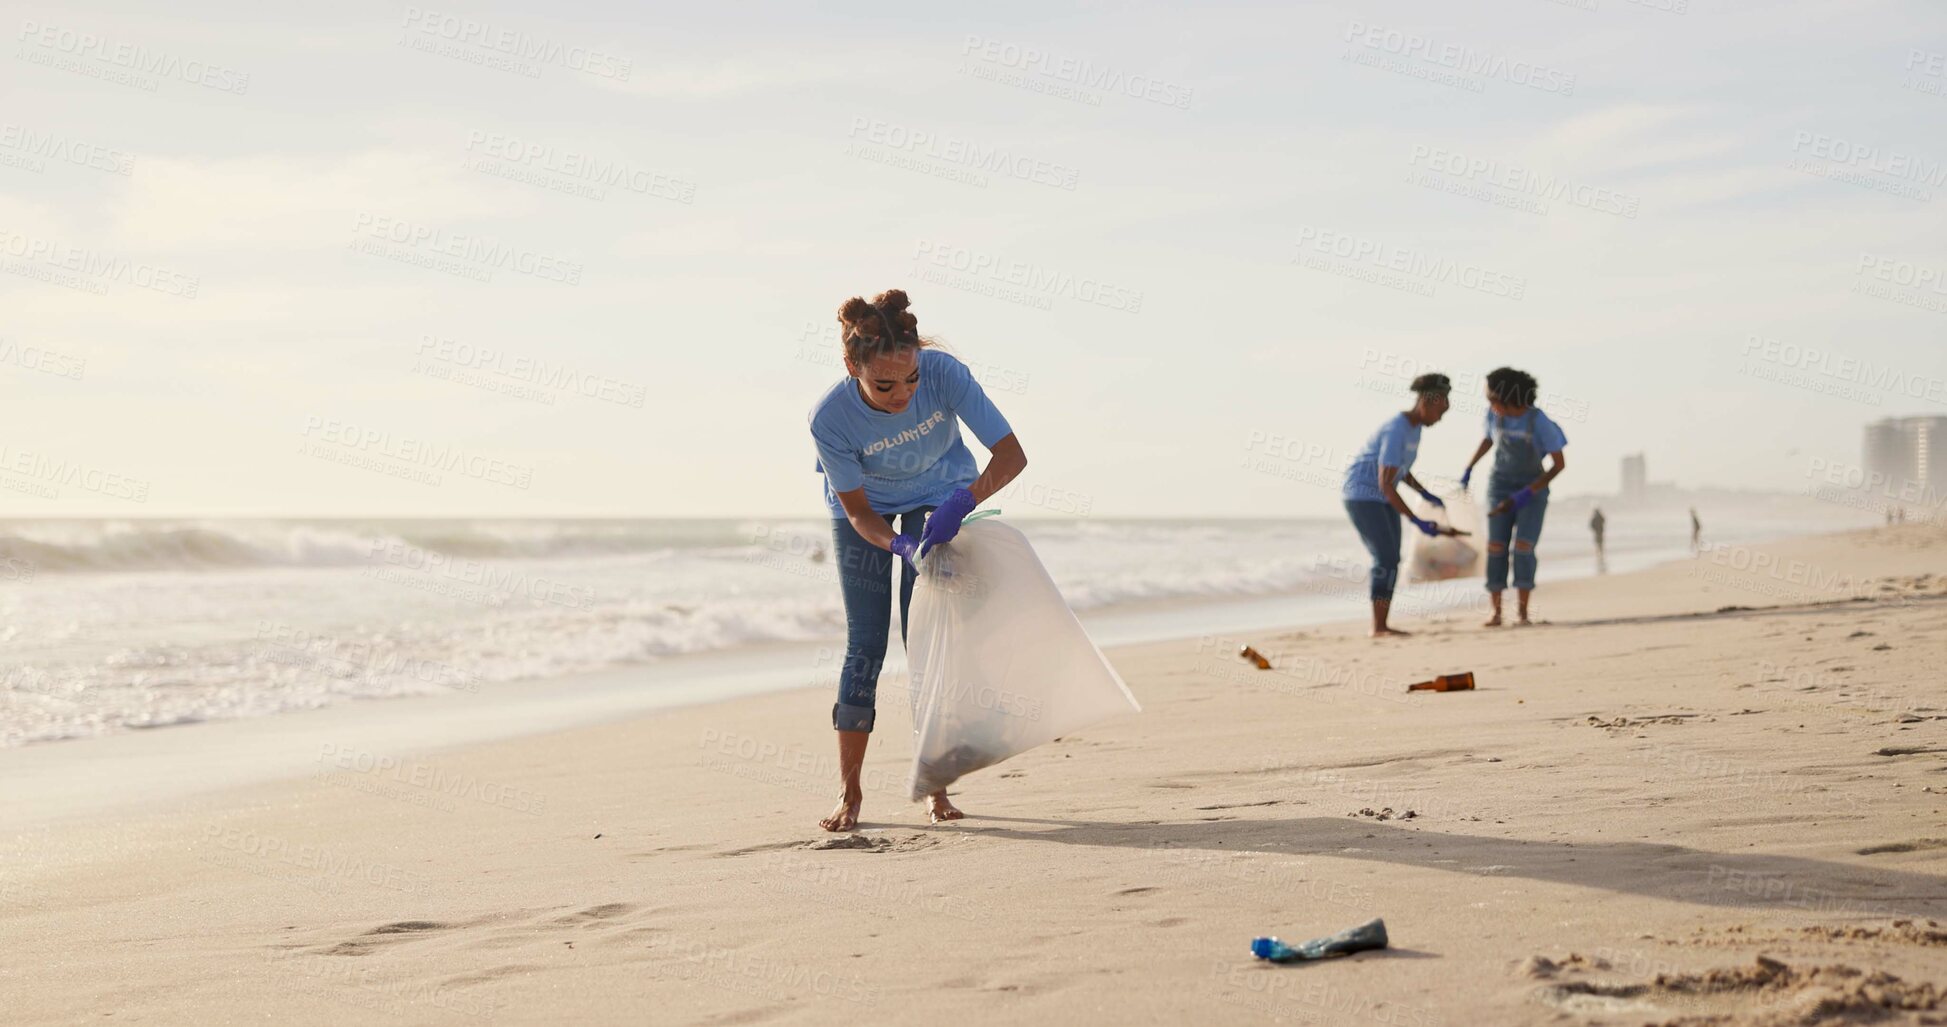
(865, 583)
(1505, 530)
(1379, 529)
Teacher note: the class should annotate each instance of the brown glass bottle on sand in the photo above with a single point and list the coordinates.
(1461, 682)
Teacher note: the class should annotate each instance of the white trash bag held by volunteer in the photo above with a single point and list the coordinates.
(1446, 557)
(1000, 664)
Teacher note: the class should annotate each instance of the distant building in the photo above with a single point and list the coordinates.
(1635, 478)
(1908, 454)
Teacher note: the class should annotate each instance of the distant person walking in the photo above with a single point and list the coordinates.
(1596, 523)
(1371, 491)
(1517, 488)
(1696, 533)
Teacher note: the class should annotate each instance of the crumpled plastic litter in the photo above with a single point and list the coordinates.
(1366, 936)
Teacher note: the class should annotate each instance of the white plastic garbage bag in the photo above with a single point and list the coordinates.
(1445, 557)
(999, 662)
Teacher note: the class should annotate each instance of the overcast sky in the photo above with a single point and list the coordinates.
(583, 259)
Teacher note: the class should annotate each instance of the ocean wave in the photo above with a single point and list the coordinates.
(65, 547)
(268, 666)
(83, 654)
(71, 547)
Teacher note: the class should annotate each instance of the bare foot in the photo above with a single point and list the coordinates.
(1523, 622)
(1383, 632)
(845, 815)
(1493, 622)
(940, 808)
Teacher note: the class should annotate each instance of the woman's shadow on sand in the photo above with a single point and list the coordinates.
(1669, 872)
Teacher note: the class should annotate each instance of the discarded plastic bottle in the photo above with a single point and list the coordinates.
(1369, 935)
(1251, 655)
(1273, 949)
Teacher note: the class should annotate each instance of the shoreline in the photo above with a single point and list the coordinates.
(1337, 583)
(172, 761)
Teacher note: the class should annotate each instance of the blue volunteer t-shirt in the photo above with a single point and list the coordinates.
(910, 459)
(1395, 444)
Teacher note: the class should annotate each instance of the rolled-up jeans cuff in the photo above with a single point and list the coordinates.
(853, 718)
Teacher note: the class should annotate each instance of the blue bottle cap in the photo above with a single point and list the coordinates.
(1262, 948)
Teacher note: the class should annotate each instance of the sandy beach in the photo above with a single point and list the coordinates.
(1714, 792)
(460, 463)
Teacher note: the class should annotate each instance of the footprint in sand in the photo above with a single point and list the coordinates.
(409, 927)
(1912, 846)
(492, 974)
(653, 853)
(595, 914)
(385, 934)
(861, 842)
(872, 843)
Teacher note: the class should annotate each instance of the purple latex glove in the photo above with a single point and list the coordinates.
(1522, 498)
(1426, 527)
(1431, 498)
(906, 546)
(944, 522)
(1465, 477)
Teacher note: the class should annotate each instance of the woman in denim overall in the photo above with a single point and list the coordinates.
(1517, 487)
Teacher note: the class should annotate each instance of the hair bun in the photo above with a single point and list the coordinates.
(858, 316)
(892, 301)
(881, 326)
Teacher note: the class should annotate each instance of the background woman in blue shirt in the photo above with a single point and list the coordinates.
(888, 439)
(1371, 491)
(1517, 489)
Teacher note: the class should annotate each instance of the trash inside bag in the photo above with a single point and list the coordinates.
(1445, 557)
(999, 662)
